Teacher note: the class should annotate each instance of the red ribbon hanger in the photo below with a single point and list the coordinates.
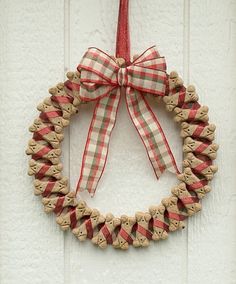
(122, 35)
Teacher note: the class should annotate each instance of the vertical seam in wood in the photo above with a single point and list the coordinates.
(186, 42)
(66, 68)
(186, 57)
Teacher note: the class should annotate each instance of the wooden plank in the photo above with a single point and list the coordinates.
(212, 234)
(128, 183)
(32, 59)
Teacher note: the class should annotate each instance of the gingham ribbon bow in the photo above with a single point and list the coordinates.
(102, 79)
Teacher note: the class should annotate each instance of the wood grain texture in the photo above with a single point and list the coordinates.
(32, 58)
(39, 41)
(212, 234)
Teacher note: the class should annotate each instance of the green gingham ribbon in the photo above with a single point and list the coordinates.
(103, 80)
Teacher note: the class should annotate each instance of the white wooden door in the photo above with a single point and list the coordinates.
(39, 42)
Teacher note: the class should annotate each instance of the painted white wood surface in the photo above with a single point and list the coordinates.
(39, 41)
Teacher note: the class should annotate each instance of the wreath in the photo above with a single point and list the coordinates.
(105, 78)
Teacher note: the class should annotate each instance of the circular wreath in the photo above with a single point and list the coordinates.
(86, 223)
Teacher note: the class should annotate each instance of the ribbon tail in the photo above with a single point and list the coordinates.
(151, 133)
(97, 144)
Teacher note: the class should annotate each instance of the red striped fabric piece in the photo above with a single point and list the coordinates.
(73, 219)
(181, 98)
(192, 114)
(50, 114)
(195, 105)
(59, 205)
(159, 224)
(72, 86)
(201, 148)
(41, 173)
(197, 185)
(62, 99)
(41, 153)
(126, 236)
(106, 233)
(201, 167)
(48, 188)
(191, 105)
(189, 200)
(198, 130)
(89, 228)
(175, 216)
(179, 205)
(38, 135)
(144, 232)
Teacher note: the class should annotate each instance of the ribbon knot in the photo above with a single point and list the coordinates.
(122, 76)
(102, 79)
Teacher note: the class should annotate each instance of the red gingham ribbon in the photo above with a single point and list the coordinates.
(103, 80)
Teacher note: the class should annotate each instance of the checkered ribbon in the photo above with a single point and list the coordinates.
(102, 79)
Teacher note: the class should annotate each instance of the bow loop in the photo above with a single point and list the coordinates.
(99, 65)
(154, 64)
(147, 80)
(148, 55)
(100, 74)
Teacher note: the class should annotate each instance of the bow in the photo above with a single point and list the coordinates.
(104, 80)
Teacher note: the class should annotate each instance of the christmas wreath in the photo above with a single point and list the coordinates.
(105, 79)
